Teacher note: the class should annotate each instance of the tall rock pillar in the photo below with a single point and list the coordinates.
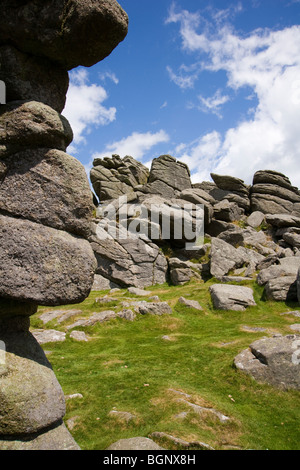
(45, 200)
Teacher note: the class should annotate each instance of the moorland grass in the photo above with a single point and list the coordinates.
(127, 366)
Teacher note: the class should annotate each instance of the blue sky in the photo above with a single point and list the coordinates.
(214, 83)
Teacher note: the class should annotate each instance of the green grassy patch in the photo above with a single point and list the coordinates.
(127, 366)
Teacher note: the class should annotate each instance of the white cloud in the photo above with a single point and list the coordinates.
(110, 75)
(200, 155)
(136, 145)
(213, 103)
(269, 63)
(182, 79)
(84, 108)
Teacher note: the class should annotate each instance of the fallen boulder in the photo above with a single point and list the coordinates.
(272, 360)
(230, 297)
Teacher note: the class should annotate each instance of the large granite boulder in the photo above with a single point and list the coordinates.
(27, 378)
(43, 265)
(126, 259)
(280, 280)
(114, 177)
(231, 297)
(168, 177)
(234, 190)
(230, 183)
(49, 187)
(273, 360)
(31, 124)
(273, 193)
(224, 257)
(77, 32)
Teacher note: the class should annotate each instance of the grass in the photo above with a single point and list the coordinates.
(127, 366)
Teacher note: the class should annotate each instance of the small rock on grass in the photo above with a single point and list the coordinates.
(135, 443)
(190, 303)
(48, 336)
(79, 336)
(139, 292)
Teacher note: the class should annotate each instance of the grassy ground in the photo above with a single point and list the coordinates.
(127, 366)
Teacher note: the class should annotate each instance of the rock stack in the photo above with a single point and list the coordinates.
(273, 193)
(46, 204)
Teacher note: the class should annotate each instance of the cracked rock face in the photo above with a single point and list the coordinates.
(273, 360)
(128, 260)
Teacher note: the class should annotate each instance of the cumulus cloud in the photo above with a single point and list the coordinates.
(84, 107)
(268, 62)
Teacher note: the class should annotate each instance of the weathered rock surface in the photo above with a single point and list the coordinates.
(27, 378)
(49, 187)
(58, 315)
(255, 219)
(128, 260)
(190, 303)
(77, 33)
(273, 361)
(96, 317)
(50, 267)
(30, 124)
(153, 308)
(280, 280)
(227, 211)
(102, 283)
(273, 193)
(298, 285)
(231, 297)
(224, 257)
(167, 176)
(114, 177)
(139, 292)
(283, 220)
(281, 289)
(55, 438)
(33, 78)
(230, 183)
(48, 336)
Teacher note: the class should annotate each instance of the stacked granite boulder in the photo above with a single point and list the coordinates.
(46, 205)
(273, 193)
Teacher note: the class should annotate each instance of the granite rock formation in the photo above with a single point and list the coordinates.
(247, 238)
(46, 205)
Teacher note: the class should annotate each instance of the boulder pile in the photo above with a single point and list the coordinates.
(46, 205)
(250, 232)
